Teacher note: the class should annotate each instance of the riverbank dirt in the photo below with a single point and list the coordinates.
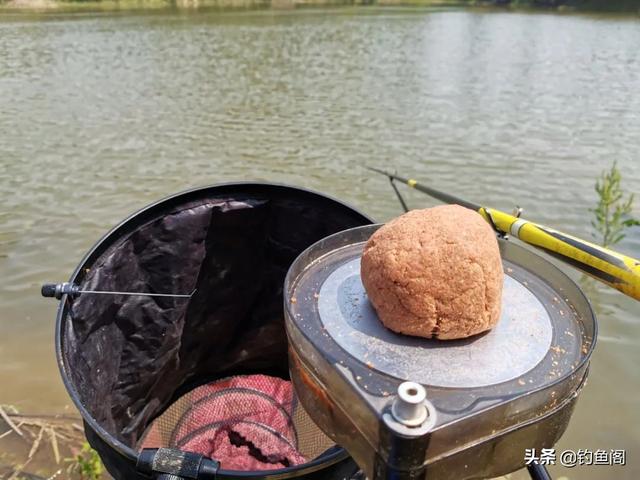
(39, 447)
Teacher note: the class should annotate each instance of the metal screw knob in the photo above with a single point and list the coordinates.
(58, 289)
(409, 408)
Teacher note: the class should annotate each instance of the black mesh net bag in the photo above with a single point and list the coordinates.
(204, 376)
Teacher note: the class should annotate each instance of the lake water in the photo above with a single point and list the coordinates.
(101, 114)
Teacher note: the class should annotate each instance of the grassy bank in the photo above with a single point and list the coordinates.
(579, 5)
(115, 5)
(632, 6)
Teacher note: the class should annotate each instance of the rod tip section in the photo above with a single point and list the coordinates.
(377, 170)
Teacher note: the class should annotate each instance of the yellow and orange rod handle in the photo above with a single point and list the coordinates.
(615, 269)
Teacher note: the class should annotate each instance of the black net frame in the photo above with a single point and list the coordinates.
(122, 372)
(247, 422)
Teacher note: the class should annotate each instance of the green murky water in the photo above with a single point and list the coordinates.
(101, 114)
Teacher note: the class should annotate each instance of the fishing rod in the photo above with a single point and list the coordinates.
(612, 268)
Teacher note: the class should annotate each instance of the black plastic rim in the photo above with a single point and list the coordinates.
(127, 226)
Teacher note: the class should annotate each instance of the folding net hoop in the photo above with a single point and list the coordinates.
(206, 373)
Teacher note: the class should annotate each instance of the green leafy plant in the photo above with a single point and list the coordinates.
(612, 214)
(86, 463)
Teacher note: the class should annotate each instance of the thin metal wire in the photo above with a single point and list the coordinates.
(102, 292)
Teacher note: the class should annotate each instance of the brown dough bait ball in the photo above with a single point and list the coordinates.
(435, 273)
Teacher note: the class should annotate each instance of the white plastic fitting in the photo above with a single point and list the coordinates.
(409, 406)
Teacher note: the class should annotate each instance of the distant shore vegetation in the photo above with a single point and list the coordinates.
(626, 6)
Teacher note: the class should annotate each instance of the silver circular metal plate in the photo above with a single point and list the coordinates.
(515, 346)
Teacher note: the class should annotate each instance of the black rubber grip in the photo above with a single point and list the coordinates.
(177, 462)
(48, 290)
(169, 464)
(538, 472)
